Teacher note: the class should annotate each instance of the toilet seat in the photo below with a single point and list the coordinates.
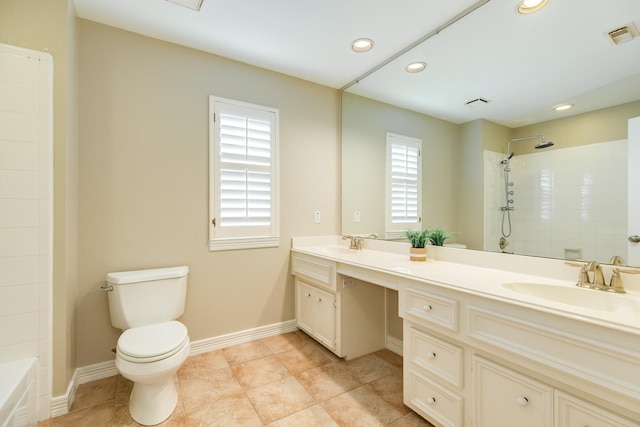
(151, 343)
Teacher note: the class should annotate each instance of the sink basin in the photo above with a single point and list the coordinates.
(579, 297)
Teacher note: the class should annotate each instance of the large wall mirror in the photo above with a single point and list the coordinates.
(491, 81)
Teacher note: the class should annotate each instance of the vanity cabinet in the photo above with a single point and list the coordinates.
(342, 313)
(316, 313)
(474, 355)
(469, 360)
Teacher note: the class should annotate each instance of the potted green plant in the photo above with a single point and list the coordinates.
(418, 240)
(437, 236)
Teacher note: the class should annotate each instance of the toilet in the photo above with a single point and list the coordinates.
(145, 305)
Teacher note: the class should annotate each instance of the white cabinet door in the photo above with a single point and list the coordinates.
(574, 412)
(504, 398)
(304, 306)
(324, 321)
(316, 313)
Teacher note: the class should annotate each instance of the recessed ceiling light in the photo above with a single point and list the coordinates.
(416, 67)
(530, 6)
(362, 45)
(562, 107)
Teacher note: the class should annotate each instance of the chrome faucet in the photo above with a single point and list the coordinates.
(355, 242)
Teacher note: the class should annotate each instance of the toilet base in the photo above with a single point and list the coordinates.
(151, 404)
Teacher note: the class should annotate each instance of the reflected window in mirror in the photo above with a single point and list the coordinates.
(404, 181)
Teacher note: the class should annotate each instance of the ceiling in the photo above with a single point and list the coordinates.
(522, 64)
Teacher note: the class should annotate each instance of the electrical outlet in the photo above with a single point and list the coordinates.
(316, 217)
(356, 216)
(348, 282)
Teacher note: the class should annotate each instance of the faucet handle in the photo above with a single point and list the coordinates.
(616, 280)
(583, 278)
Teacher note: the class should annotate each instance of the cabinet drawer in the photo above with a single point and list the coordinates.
(317, 271)
(504, 398)
(428, 309)
(573, 412)
(428, 353)
(431, 400)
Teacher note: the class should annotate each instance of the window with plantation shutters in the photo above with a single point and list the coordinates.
(404, 184)
(243, 175)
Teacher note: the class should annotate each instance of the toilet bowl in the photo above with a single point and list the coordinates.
(150, 356)
(153, 345)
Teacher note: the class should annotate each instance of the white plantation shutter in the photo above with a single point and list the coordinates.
(243, 153)
(404, 187)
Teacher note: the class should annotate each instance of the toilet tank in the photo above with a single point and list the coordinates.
(145, 297)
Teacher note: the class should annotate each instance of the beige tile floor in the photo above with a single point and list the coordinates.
(285, 380)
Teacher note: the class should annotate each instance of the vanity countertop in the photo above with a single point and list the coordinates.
(486, 274)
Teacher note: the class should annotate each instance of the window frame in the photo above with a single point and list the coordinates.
(241, 237)
(395, 230)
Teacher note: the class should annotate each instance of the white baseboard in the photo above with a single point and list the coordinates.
(394, 344)
(223, 341)
(60, 404)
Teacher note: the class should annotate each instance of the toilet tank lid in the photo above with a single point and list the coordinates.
(125, 277)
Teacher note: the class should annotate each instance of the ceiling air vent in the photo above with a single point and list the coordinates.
(623, 34)
(477, 102)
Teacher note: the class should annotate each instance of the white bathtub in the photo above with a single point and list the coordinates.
(18, 393)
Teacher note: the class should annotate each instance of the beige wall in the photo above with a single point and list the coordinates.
(49, 26)
(608, 124)
(143, 173)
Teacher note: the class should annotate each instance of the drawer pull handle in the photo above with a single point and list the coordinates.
(523, 401)
(431, 400)
(308, 295)
(427, 307)
(431, 355)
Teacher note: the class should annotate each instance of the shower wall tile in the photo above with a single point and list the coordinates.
(19, 213)
(18, 69)
(19, 270)
(19, 155)
(19, 127)
(18, 299)
(17, 184)
(21, 328)
(26, 210)
(567, 201)
(19, 98)
(18, 242)
(15, 351)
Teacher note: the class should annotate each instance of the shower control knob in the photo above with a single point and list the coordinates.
(634, 239)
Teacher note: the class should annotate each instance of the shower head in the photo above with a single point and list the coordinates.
(543, 144)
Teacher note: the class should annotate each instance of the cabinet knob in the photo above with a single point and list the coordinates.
(431, 355)
(431, 400)
(308, 295)
(523, 401)
(427, 307)
(319, 299)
